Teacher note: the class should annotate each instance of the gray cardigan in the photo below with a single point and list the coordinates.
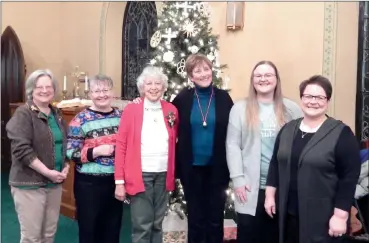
(244, 152)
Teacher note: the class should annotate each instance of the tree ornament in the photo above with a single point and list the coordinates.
(185, 7)
(168, 56)
(204, 9)
(181, 66)
(189, 28)
(155, 39)
(193, 49)
(169, 35)
(210, 56)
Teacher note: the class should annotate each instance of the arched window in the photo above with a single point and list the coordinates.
(140, 20)
(362, 92)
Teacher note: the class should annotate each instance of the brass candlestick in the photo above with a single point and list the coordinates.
(65, 92)
(77, 74)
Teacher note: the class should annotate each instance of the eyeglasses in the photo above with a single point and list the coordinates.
(41, 88)
(318, 98)
(103, 91)
(266, 76)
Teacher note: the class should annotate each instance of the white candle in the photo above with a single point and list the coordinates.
(86, 82)
(65, 83)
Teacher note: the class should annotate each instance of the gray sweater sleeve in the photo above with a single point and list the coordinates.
(234, 145)
(293, 109)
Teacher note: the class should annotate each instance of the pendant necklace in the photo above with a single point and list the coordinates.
(204, 124)
(303, 134)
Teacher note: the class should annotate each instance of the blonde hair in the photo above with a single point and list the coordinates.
(252, 106)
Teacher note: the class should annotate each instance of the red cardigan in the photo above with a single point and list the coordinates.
(128, 147)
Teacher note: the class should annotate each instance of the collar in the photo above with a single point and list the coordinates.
(307, 129)
(150, 104)
(204, 90)
(33, 107)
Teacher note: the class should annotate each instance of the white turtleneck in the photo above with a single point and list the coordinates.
(154, 138)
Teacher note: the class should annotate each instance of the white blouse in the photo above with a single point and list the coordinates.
(154, 138)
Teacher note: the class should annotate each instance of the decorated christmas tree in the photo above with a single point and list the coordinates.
(184, 29)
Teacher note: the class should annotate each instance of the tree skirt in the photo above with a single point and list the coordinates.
(175, 229)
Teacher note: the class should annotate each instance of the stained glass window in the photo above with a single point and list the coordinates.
(139, 22)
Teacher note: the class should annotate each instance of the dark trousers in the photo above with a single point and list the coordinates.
(148, 209)
(259, 228)
(291, 234)
(205, 206)
(99, 214)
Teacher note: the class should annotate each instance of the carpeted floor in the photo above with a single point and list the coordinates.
(67, 228)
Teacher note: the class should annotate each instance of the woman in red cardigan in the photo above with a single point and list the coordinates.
(144, 158)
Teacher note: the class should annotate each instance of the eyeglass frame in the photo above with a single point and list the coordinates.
(103, 91)
(265, 76)
(317, 98)
(42, 88)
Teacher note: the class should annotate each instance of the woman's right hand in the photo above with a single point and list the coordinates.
(138, 100)
(269, 205)
(103, 150)
(120, 192)
(241, 193)
(56, 176)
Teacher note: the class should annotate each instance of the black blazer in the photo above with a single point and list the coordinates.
(184, 157)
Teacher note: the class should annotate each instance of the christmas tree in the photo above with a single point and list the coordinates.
(184, 29)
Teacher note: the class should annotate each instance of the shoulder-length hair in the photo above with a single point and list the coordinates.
(32, 79)
(252, 106)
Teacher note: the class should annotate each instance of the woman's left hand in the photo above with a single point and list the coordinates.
(337, 226)
(65, 170)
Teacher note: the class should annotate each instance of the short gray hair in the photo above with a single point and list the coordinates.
(100, 78)
(32, 80)
(151, 72)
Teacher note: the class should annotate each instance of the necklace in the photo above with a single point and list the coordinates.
(204, 124)
(303, 134)
(154, 112)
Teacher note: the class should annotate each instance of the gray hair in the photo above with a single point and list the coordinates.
(151, 72)
(100, 78)
(32, 80)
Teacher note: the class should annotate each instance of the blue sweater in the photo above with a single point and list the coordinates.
(202, 137)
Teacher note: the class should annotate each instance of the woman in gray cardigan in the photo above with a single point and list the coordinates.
(252, 129)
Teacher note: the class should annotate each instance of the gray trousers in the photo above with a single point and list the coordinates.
(148, 209)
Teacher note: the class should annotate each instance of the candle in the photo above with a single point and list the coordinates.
(65, 83)
(86, 82)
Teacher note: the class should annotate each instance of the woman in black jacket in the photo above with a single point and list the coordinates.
(314, 170)
(200, 155)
